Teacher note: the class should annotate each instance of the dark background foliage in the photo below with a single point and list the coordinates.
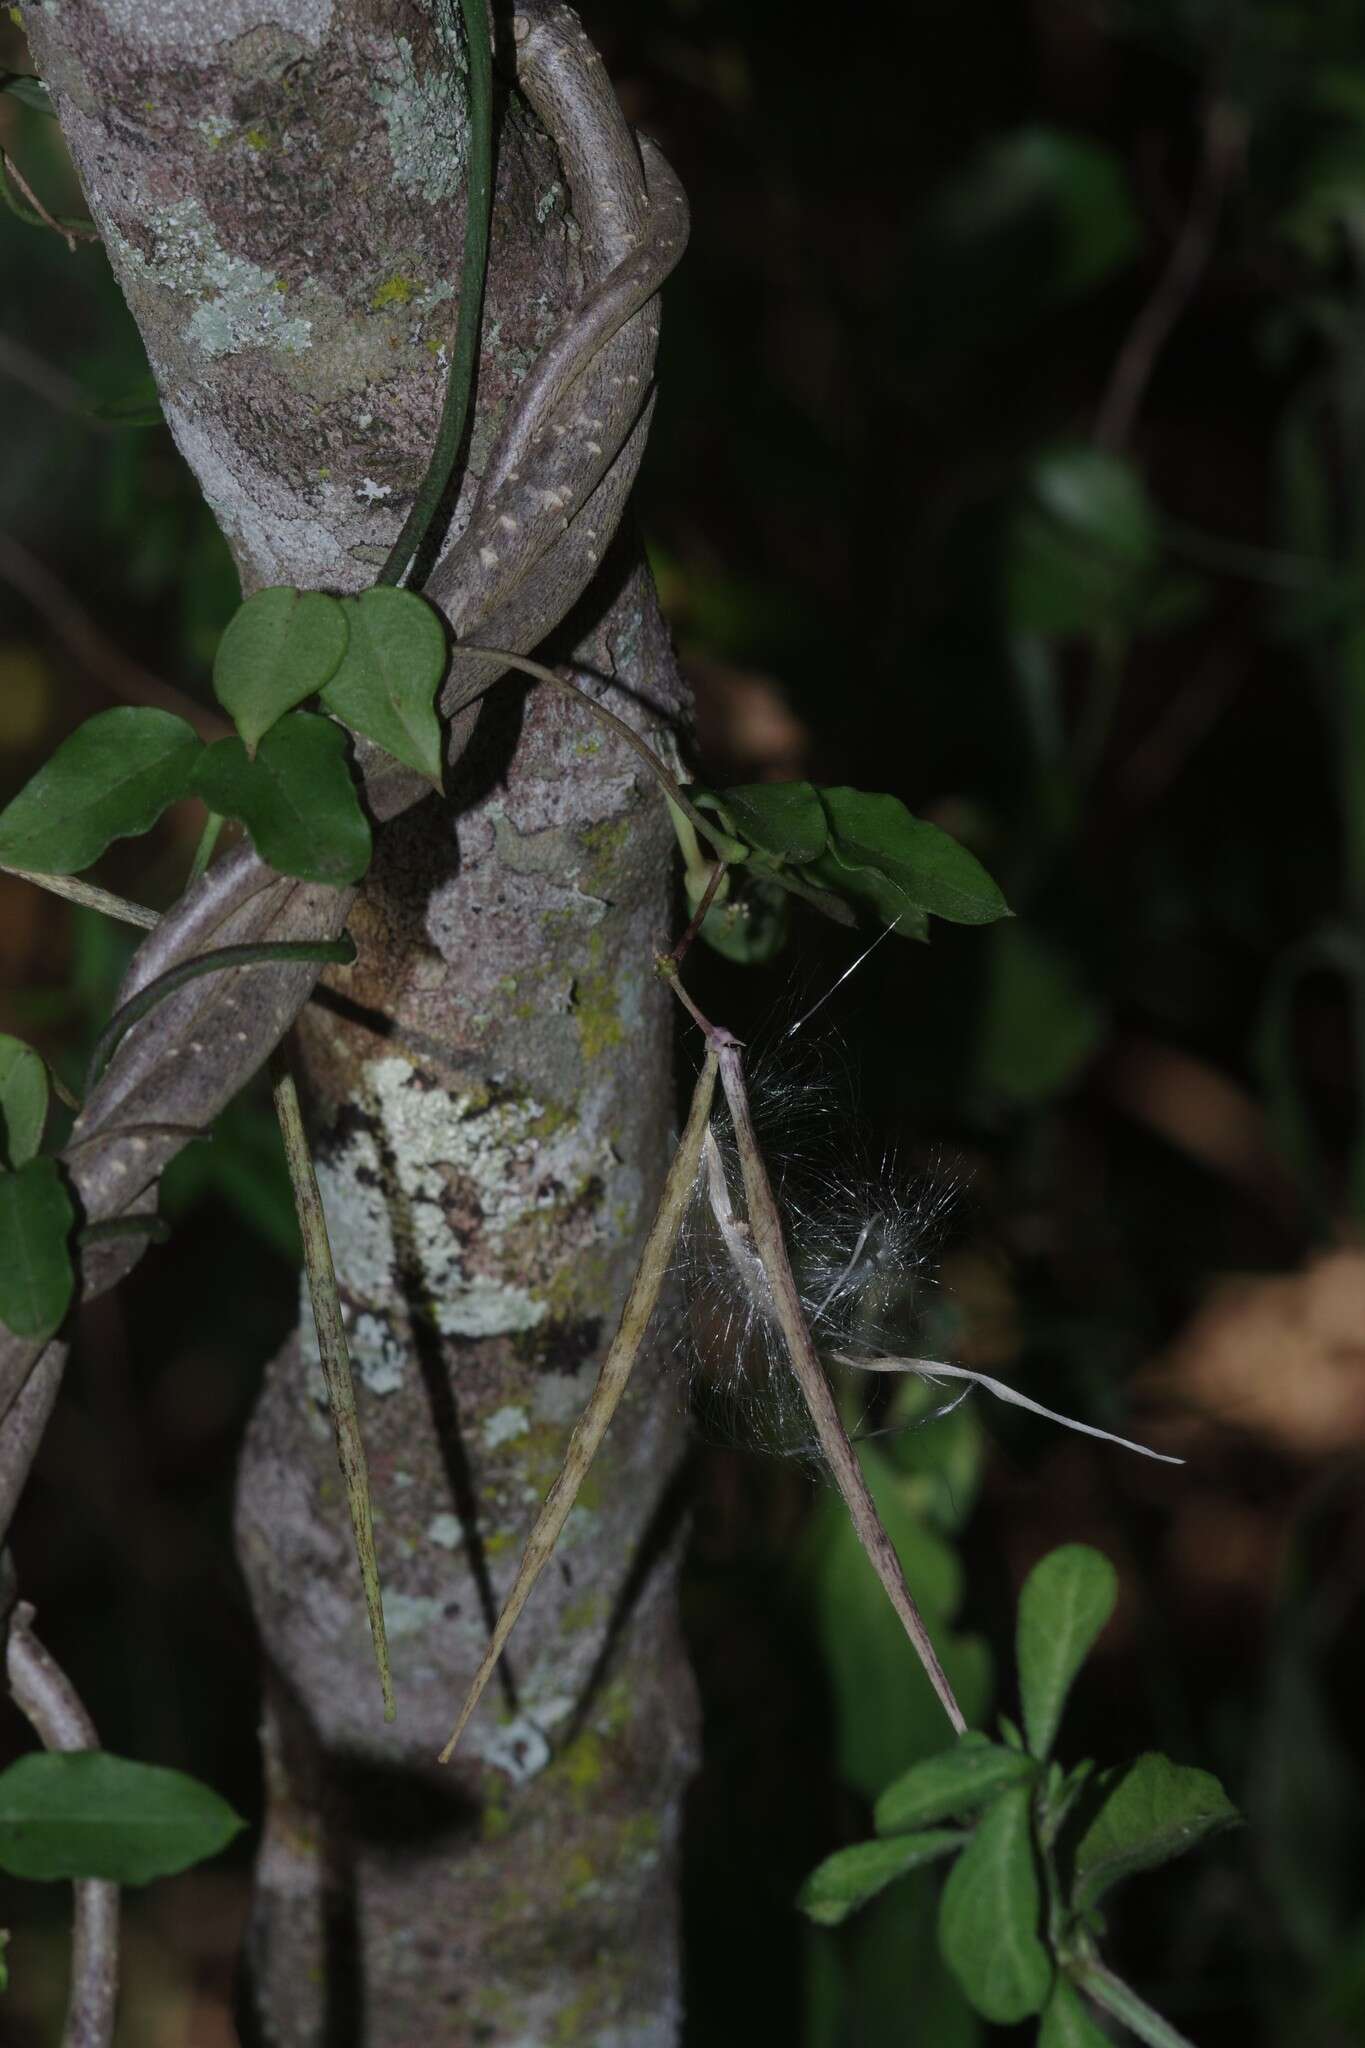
(1008, 459)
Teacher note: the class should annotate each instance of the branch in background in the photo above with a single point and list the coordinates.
(114, 671)
(46, 382)
(1224, 144)
(50, 1703)
(30, 209)
(90, 895)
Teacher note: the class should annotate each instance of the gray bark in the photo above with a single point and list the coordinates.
(281, 195)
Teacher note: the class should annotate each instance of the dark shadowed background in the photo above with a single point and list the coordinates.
(1009, 458)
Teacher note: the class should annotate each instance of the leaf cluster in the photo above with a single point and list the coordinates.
(1037, 1847)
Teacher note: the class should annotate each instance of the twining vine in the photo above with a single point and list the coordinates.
(391, 675)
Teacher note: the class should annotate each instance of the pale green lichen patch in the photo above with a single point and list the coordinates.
(445, 1530)
(428, 124)
(411, 1614)
(237, 303)
(504, 1425)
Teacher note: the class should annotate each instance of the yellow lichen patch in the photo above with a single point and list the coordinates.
(395, 291)
(256, 138)
(594, 1005)
(581, 1767)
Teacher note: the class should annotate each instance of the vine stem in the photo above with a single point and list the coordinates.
(465, 354)
(1118, 1999)
(335, 1355)
(266, 953)
(50, 1703)
(602, 1404)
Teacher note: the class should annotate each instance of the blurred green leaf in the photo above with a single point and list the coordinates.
(36, 1277)
(959, 1781)
(279, 647)
(1038, 1022)
(751, 926)
(886, 1714)
(1156, 1810)
(1037, 219)
(387, 682)
(111, 779)
(848, 1878)
(23, 1101)
(88, 1814)
(296, 798)
(1066, 1600)
(989, 1914)
(138, 404)
(1066, 2023)
(1083, 545)
(28, 90)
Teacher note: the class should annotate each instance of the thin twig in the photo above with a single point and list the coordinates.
(336, 1358)
(933, 1369)
(115, 671)
(592, 1424)
(1224, 141)
(70, 227)
(91, 897)
(770, 1245)
(50, 1703)
(708, 897)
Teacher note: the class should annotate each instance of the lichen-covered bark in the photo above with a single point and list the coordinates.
(281, 191)
(490, 1082)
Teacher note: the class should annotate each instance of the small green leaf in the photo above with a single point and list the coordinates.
(28, 90)
(111, 779)
(899, 865)
(296, 799)
(89, 1814)
(848, 1878)
(138, 404)
(387, 682)
(1066, 2023)
(785, 820)
(1066, 1600)
(36, 1277)
(988, 1916)
(1155, 1811)
(23, 1101)
(279, 647)
(961, 1780)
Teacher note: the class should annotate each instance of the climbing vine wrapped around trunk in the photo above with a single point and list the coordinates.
(282, 197)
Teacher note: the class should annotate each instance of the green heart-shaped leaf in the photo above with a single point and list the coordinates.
(296, 798)
(388, 679)
(36, 1276)
(23, 1101)
(88, 1814)
(279, 647)
(1066, 1600)
(988, 1916)
(111, 779)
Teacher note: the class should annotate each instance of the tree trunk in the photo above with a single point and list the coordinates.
(281, 194)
